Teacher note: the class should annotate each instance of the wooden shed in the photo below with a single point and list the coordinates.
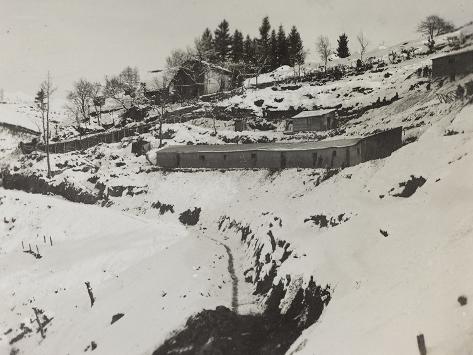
(453, 64)
(318, 120)
(196, 77)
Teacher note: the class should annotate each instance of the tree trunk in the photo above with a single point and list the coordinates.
(44, 124)
(161, 127)
(47, 136)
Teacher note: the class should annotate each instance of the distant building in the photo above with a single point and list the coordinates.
(453, 64)
(323, 154)
(195, 78)
(318, 120)
(240, 125)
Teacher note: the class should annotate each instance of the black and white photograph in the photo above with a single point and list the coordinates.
(236, 177)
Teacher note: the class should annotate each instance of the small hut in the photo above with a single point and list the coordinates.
(453, 64)
(318, 120)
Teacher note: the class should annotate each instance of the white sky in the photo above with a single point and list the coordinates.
(92, 38)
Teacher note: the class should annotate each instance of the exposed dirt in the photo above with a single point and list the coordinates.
(190, 217)
(38, 184)
(224, 332)
(410, 186)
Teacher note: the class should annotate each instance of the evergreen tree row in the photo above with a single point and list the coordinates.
(272, 49)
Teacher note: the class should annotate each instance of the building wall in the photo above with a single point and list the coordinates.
(376, 146)
(381, 145)
(453, 65)
(338, 157)
(216, 82)
(316, 123)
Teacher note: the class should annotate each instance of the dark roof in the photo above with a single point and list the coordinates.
(205, 148)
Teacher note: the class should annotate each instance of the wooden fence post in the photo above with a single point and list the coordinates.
(421, 344)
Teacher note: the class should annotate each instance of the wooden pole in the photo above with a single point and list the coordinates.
(40, 326)
(421, 344)
(89, 291)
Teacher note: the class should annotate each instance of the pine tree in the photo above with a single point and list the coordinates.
(207, 40)
(283, 51)
(205, 46)
(342, 50)
(273, 51)
(248, 50)
(296, 48)
(237, 46)
(222, 40)
(264, 35)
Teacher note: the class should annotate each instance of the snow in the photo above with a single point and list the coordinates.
(312, 113)
(20, 115)
(281, 73)
(395, 265)
(146, 269)
(386, 290)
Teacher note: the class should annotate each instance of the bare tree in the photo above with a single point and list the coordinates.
(124, 87)
(363, 42)
(299, 62)
(98, 101)
(114, 90)
(324, 49)
(209, 110)
(81, 97)
(161, 98)
(43, 99)
(432, 26)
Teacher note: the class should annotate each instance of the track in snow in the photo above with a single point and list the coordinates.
(231, 271)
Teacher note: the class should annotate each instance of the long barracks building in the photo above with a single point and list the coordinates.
(323, 154)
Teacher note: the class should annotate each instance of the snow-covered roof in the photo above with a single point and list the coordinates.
(314, 113)
(205, 148)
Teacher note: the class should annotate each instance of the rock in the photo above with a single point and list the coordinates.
(116, 317)
(462, 300)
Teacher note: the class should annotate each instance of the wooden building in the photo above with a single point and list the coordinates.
(453, 64)
(323, 154)
(195, 78)
(318, 120)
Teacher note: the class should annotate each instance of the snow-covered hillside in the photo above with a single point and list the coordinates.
(381, 249)
(145, 269)
(396, 264)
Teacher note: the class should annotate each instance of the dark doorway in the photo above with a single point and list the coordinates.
(283, 161)
(253, 160)
(314, 160)
(178, 160)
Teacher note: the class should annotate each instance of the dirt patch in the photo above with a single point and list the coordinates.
(163, 207)
(323, 221)
(222, 331)
(409, 187)
(38, 184)
(116, 317)
(190, 217)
